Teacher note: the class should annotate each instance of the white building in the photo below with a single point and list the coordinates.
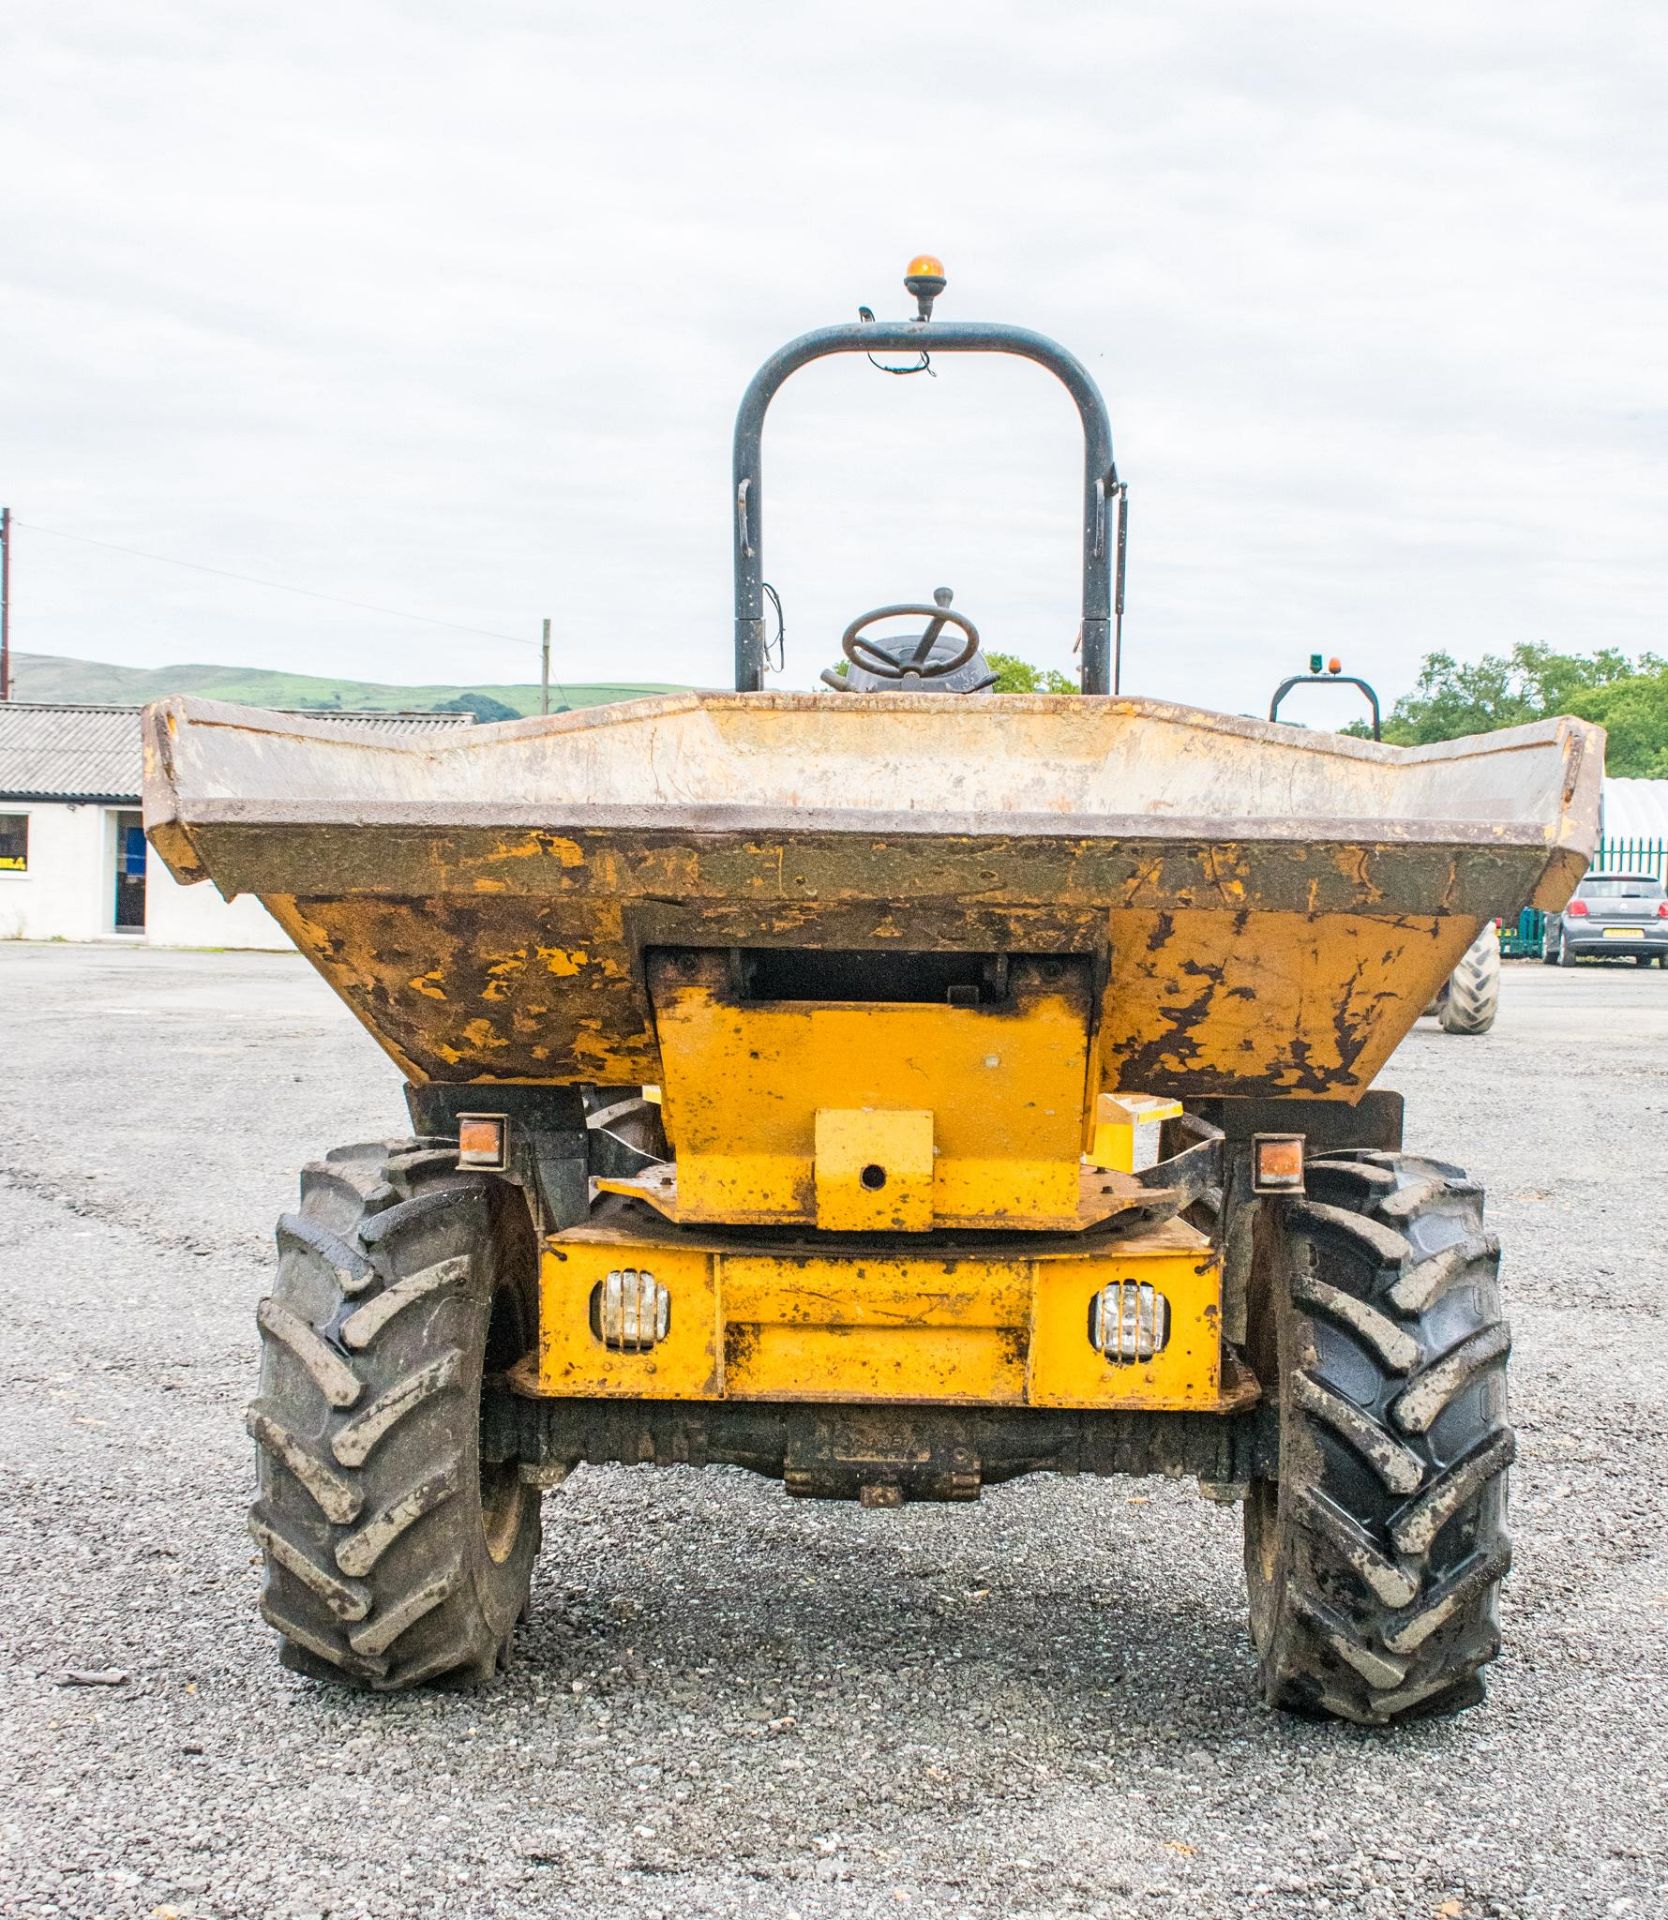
(1635, 810)
(74, 861)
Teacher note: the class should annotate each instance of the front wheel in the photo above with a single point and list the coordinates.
(1375, 1556)
(394, 1552)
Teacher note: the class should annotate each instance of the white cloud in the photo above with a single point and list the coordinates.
(450, 309)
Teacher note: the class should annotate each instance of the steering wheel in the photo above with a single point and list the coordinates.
(894, 665)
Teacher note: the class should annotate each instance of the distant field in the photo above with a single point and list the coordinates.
(45, 676)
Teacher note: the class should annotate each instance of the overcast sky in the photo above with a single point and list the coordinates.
(448, 309)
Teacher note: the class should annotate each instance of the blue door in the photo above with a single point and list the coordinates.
(130, 873)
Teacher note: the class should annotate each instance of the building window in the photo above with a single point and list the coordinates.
(14, 843)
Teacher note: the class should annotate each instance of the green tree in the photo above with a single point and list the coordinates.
(1450, 699)
(1014, 675)
(1634, 713)
(482, 705)
(1535, 682)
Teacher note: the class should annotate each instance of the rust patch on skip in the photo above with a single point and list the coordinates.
(540, 846)
(501, 975)
(1354, 865)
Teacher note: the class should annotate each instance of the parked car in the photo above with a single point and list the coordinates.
(1611, 913)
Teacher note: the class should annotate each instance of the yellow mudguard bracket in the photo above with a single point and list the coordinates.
(1129, 1129)
(1133, 1323)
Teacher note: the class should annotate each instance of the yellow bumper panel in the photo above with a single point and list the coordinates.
(959, 1325)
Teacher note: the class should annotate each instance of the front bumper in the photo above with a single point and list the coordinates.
(1589, 940)
(989, 1320)
(883, 1455)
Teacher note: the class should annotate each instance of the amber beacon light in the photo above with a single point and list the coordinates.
(924, 277)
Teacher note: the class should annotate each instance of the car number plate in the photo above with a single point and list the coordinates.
(1624, 933)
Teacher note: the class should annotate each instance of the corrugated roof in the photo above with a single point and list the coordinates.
(53, 752)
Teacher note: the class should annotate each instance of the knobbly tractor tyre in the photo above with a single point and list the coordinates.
(1374, 1560)
(1470, 998)
(393, 1554)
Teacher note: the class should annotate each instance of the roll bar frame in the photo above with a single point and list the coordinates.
(1101, 669)
(1326, 680)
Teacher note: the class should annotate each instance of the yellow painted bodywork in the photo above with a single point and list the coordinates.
(980, 1108)
(956, 1324)
(1315, 1003)
(874, 1170)
(1197, 1000)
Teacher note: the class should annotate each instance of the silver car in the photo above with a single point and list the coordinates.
(1613, 914)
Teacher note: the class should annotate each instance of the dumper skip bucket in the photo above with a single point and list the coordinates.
(1267, 910)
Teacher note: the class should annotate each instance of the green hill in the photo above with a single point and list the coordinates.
(46, 676)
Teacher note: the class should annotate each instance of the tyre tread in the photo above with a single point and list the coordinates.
(1391, 1511)
(1471, 998)
(377, 1574)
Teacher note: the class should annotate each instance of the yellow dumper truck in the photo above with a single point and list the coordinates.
(895, 1089)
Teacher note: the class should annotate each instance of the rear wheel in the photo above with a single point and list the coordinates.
(1566, 957)
(394, 1553)
(1374, 1559)
(1471, 997)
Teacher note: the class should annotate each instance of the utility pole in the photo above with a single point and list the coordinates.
(544, 672)
(5, 603)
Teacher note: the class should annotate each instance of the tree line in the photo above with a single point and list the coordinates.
(1629, 698)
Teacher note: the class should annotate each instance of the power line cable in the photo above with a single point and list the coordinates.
(278, 586)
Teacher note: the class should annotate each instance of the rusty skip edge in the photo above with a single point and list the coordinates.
(714, 853)
(177, 817)
(1364, 870)
(160, 800)
(179, 712)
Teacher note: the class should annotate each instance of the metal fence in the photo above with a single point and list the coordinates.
(1612, 856)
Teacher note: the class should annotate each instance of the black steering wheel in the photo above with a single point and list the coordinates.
(916, 664)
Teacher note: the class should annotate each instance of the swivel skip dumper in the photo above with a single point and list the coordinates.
(894, 1088)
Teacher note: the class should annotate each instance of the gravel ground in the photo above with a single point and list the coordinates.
(730, 1703)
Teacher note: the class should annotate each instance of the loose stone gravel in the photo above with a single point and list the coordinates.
(733, 1703)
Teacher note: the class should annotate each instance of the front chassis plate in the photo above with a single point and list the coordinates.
(973, 1320)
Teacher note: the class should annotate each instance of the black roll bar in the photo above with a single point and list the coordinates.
(1100, 476)
(1325, 680)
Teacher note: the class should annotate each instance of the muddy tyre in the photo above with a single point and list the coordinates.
(393, 1554)
(1374, 1561)
(1470, 997)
